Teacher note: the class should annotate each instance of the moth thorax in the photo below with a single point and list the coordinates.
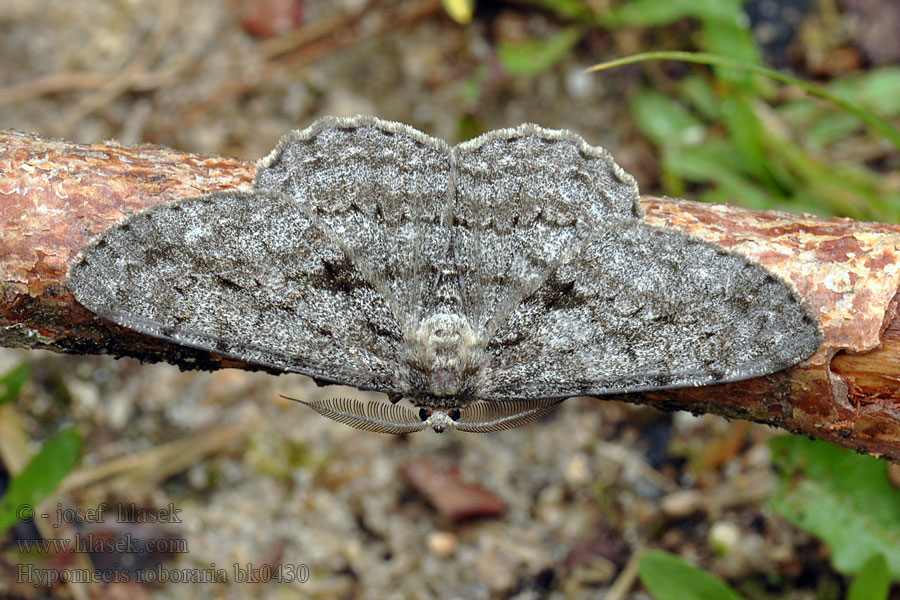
(446, 355)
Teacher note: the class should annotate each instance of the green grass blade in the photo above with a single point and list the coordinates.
(876, 123)
(11, 383)
(531, 57)
(39, 477)
(873, 582)
(668, 577)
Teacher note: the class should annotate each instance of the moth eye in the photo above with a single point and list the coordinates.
(454, 414)
(424, 414)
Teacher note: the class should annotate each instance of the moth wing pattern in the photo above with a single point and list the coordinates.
(246, 275)
(372, 255)
(379, 189)
(646, 308)
(525, 200)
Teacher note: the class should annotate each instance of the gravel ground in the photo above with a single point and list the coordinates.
(261, 480)
(285, 487)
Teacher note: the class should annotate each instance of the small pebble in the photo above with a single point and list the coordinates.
(723, 537)
(442, 544)
(577, 471)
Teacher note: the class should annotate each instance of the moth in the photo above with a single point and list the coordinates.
(482, 283)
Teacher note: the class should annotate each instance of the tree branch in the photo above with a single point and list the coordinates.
(55, 196)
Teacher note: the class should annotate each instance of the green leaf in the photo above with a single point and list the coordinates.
(730, 36)
(731, 188)
(874, 122)
(665, 120)
(831, 128)
(732, 39)
(668, 577)
(843, 498)
(39, 477)
(648, 13)
(844, 189)
(699, 92)
(531, 57)
(700, 164)
(872, 583)
(746, 134)
(718, 163)
(12, 381)
(471, 88)
(573, 10)
(876, 90)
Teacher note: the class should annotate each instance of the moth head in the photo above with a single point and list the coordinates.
(438, 419)
(486, 416)
(480, 417)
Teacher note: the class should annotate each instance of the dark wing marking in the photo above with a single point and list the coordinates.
(379, 190)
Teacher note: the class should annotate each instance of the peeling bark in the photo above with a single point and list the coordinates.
(55, 196)
(847, 392)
